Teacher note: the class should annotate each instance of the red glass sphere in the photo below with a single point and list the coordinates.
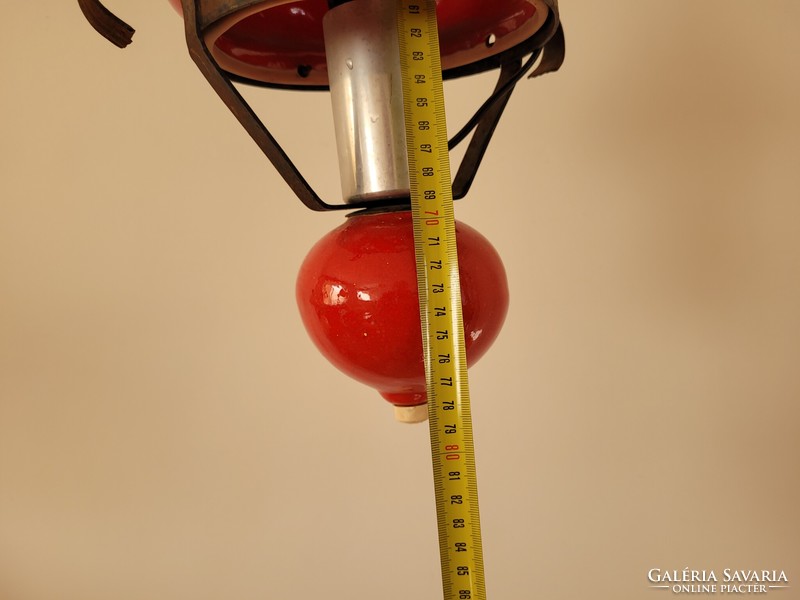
(357, 295)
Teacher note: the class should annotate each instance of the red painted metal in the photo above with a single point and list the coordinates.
(282, 43)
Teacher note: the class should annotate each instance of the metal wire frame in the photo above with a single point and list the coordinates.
(547, 43)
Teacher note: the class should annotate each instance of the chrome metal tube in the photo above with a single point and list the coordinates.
(367, 98)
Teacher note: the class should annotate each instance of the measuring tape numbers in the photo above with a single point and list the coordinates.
(444, 352)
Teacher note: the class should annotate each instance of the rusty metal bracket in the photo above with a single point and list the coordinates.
(547, 43)
(111, 27)
(245, 115)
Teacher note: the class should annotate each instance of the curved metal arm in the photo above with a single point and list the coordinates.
(114, 29)
(548, 41)
(245, 115)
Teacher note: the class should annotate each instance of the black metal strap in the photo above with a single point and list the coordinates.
(114, 29)
(547, 41)
(486, 120)
(242, 111)
(554, 49)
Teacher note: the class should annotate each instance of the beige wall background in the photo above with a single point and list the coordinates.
(168, 432)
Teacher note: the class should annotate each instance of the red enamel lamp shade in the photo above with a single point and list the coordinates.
(358, 299)
(279, 42)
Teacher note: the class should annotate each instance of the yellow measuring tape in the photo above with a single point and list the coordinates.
(452, 449)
